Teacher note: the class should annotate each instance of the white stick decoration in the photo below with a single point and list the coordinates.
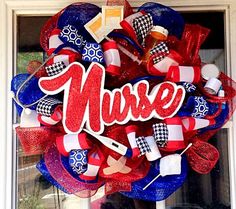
(160, 174)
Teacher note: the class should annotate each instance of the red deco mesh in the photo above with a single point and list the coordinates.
(190, 43)
(202, 157)
(47, 30)
(36, 140)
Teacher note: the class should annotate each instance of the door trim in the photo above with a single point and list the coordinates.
(13, 8)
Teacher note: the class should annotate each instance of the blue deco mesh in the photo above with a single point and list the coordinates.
(78, 15)
(165, 17)
(29, 93)
(219, 120)
(41, 166)
(162, 188)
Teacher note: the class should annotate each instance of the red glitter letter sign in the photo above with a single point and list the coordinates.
(87, 102)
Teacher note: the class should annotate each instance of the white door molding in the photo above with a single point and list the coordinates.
(11, 9)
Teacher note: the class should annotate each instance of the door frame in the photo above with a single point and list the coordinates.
(10, 9)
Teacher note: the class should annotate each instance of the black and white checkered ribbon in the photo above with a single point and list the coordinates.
(142, 145)
(160, 134)
(158, 59)
(142, 26)
(160, 48)
(55, 68)
(47, 106)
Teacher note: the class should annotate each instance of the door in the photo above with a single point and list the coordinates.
(23, 187)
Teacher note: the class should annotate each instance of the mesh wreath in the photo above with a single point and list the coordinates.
(153, 45)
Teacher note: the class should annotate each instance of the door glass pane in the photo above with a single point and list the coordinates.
(198, 192)
(33, 191)
(211, 190)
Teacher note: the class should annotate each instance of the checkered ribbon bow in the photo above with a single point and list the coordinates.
(47, 106)
(55, 68)
(78, 161)
(160, 134)
(142, 145)
(142, 26)
(161, 50)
